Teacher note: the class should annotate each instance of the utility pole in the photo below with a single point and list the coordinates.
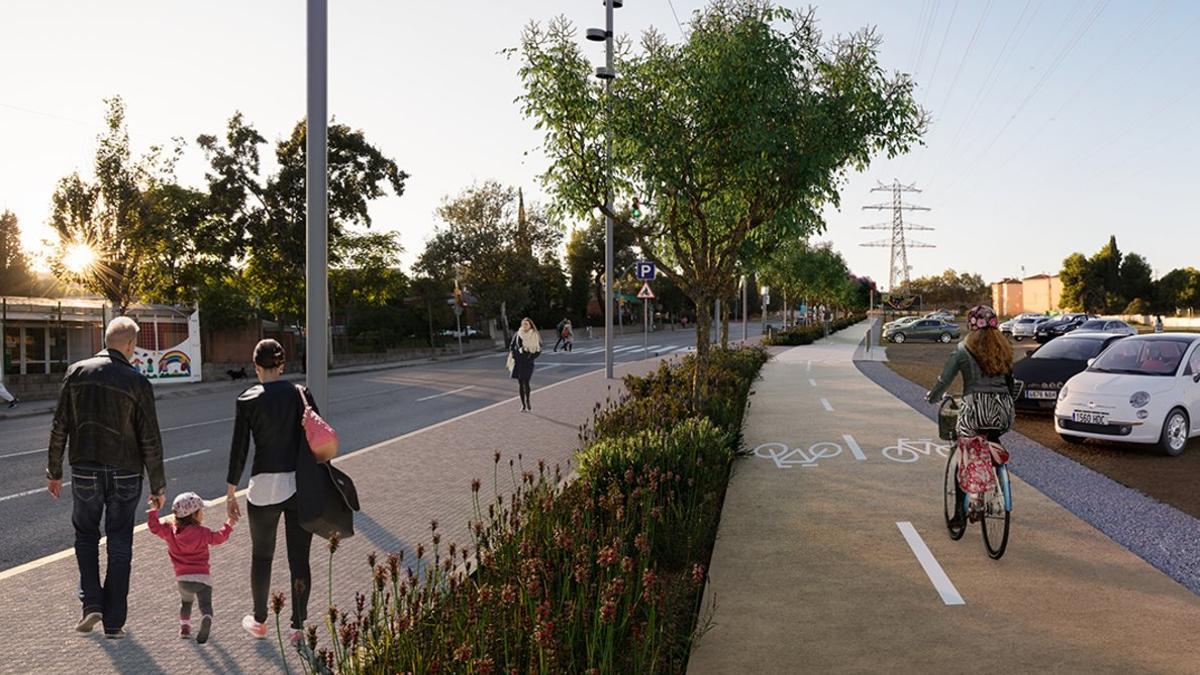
(607, 74)
(316, 278)
(898, 274)
(745, 313)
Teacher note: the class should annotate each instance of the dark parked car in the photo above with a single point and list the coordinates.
(925, 329)
(1060, 326)
(1048, 368)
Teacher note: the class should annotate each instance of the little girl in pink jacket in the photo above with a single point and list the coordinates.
(187, 545)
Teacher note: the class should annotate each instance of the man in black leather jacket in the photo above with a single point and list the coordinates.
(106, 417)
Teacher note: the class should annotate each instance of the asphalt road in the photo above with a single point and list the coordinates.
(365, 408)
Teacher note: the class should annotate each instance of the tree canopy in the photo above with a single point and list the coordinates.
(745, 129)
(15, 276)
(1106, 283)
(499, 249)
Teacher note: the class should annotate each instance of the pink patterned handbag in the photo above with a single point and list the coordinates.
(322, 439)
(975, 474)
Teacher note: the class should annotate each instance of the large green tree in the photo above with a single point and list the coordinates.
(268, 212)
(15, 277)
(499, 250)
(113, 222)
(746, 127)
(1178, 290)
(951, 289)
(1136, 280)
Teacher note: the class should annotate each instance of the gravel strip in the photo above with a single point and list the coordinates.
(1162, 535)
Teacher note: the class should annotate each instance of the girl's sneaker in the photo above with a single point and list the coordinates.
(185, 631)
(295, 637)
(206, 626)
(257, 630)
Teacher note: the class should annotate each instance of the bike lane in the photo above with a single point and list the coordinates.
(832, 555)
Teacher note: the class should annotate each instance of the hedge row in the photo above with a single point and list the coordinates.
(808, 334)
(603, 574)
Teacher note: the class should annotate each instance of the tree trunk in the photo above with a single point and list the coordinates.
(724, 325)
(504, 321)
(703, 326)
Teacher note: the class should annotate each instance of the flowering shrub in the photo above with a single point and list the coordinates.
(600, 575)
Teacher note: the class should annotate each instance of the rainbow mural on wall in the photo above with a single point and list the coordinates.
(179, 363)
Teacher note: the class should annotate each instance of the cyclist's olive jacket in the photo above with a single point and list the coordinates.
(974, 381)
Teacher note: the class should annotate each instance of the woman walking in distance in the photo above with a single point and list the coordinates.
(526, 346)
(270, 412)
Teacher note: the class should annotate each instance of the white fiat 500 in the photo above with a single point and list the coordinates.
(1143, 389)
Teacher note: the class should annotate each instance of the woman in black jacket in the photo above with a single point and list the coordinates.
(526, 346)
(270, 412)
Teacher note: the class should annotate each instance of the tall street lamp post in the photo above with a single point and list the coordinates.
(607, 74)
(316, 278)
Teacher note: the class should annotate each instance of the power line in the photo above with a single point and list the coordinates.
(988, 81)
(925, 35)
(1089, 21)
(1154, 15)
(31, 111)
(676, 15)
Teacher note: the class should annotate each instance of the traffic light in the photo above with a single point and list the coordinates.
(636, 211)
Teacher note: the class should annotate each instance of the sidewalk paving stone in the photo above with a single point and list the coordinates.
(403, 485)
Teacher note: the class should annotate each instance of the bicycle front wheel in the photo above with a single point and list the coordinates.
(996, 515)
(956, 522)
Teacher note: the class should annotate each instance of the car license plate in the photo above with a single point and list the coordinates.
(1089, 417)
(1042, 394)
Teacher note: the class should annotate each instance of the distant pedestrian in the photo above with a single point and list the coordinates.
(106, 417)
(270, 413)
(567, 334)
(524, 349)
(7, 396)
(1158, 324)
(560, 332)
(187, 545)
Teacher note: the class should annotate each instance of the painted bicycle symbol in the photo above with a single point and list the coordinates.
(786, 457)
(907, 451)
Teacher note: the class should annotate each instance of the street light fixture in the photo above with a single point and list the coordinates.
(607, 73)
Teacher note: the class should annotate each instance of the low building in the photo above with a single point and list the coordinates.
(1041, 293)
(1008, 297)
(42, 336)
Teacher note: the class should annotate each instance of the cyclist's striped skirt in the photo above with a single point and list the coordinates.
(984, 412)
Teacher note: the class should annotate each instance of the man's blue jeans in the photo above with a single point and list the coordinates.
(113, 494)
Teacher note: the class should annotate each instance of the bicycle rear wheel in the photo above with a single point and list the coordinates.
(996, 515)
(956, 521)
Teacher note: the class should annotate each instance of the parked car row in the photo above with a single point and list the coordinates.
(937, 326)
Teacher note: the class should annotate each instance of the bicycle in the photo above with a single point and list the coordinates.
(996, 511)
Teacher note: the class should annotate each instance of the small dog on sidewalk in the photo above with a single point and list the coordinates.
(239, 374)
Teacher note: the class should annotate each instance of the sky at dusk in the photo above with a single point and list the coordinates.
(1055, 122)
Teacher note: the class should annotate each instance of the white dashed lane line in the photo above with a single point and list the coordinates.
(941, 582)
(34, 491)
(825, 404)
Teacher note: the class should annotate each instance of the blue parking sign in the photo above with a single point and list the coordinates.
(644, 270)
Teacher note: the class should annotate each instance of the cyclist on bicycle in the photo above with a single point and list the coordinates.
(984, 359)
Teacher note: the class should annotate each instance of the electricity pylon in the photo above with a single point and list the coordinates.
(898, 277)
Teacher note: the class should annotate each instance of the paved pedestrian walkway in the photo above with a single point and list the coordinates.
(403, 485)
(832, 553)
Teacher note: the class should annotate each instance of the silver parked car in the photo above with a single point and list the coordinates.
(1106, 326)
(1026, 327)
